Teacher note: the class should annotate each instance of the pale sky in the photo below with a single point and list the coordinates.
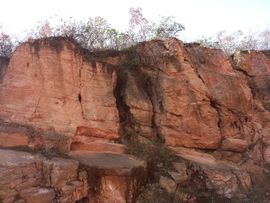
(200, 17)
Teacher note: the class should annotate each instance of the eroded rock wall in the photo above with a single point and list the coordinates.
(185, 94)
(48, 84)
(172, 97)
(54, 94)
(25, 177)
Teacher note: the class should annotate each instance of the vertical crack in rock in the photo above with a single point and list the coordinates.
(154, 95)
(4, 61)
(125, 115)
(149, 84)
(80, 99)
(146, 85)
(214, 105)
(234, 61)
(36, 107)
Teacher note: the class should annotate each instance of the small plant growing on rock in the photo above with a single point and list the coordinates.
(158, 157)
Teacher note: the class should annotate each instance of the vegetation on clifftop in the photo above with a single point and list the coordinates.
(97, 34)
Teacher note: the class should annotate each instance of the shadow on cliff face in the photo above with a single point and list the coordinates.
(3, 66)
(260, 191)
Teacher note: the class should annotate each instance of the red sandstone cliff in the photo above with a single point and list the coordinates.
(56, 95)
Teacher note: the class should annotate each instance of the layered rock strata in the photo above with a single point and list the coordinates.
(54, 95)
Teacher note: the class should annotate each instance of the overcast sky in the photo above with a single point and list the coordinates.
(200, 17)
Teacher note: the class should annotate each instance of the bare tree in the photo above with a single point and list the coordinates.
(97, 33)
(6, 45)
(238, 40)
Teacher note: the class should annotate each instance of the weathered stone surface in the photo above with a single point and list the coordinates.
(60, 90)
(235, 145)
(165, 97)
(267, 154)
(180, 167)
(168, 184)
(115, 177)
(191, 96)
(81, 143)
(59, 171)
(227, 179)
(225, 183)
(17, 135)
(13, 139)
(33, 178)
(230, 156)
(108, 163)
(74, 191)
(54, 95)
(19, 201)
(266, 136)
(195, 156)
(179, 177)
(228, 91)
(34, 195)
(256, 66)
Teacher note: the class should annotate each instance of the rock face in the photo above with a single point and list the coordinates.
(227, 179)
(60, 90)
(14, 135)
(113, 177)
(54, 95)
(34, 178)
(189, 95)
(166, 97)
(157, 89)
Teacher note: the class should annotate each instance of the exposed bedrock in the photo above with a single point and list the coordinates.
(50, 85)
(186, 95)
(56, 96)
